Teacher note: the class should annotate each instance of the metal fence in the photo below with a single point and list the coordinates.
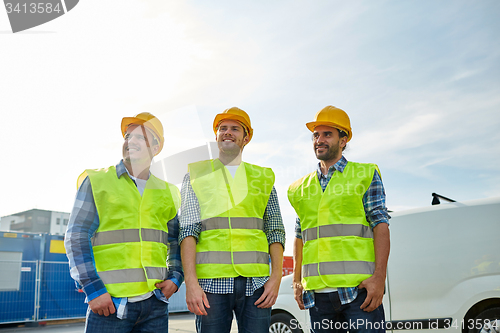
(18, 299)
(44, 290)
(59, 298)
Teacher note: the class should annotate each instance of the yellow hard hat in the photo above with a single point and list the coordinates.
(333, 117)
(237, 114)
(150, 122)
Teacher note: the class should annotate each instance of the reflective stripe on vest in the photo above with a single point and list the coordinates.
(338, 241)
(232, 241)
(338, 267)
(337, 230)
(129, 275)
(224, 257)
(130, 235)
(236, 223)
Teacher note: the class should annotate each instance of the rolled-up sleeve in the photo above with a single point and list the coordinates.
(190, 220)
(175, 273)
(298, 229)
(374, 202)
(273, 222)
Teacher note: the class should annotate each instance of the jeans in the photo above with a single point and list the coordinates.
(149, 315)
(329, 315)
(220, 314)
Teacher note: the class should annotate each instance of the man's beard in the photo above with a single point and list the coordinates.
(330, 154)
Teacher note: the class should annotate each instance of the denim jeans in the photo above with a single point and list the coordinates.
(149, 315)
(329, 315)
(219, 316)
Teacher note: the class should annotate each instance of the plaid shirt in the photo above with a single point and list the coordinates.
(82, 226)
(375, 211)
(190, 225)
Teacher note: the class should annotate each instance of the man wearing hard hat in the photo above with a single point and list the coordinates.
(342, 234)
(230, 223)
(122, 237)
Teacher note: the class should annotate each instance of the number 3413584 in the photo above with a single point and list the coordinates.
(33, 8)
(473, 324)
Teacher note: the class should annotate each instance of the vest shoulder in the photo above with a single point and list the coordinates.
(99, 173)
(303, 180)
(173, 189)
(254, 166)
(81, 178)
(200, 168)
(97, 176)
(364, 165)
(199, 164)
(175, 194)
(101, 170)
(160, 181)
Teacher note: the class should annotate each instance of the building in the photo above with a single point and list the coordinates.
(37, 221)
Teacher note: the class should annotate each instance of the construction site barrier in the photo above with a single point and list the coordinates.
(44, 290)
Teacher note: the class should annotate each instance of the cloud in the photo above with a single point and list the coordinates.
(419, 81)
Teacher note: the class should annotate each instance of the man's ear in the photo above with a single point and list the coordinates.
(246, 139)
(343, 141)
(155, 149)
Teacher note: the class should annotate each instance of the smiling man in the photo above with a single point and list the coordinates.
(342, 236)
(122, 232)
(230, 223)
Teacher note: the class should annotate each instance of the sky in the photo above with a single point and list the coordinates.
(420, 81)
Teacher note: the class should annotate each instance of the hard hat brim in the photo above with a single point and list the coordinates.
(127, 121)
(313, 124)
(227, 116)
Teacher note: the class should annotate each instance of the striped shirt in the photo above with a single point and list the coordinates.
(190, 225)
(375, 212)
(82, 225)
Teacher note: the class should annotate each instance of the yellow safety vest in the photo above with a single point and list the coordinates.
(131, 243)
(338, 241)
(232, 241)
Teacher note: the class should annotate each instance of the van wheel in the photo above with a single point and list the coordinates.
(487, 321)
(280, 323)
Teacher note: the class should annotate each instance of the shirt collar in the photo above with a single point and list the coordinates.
(340, 166)
(121, 169)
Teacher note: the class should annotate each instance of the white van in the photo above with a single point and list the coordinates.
(443, 273)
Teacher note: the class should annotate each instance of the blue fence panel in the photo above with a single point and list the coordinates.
(59, 298)
(46, 291)
(20, 305)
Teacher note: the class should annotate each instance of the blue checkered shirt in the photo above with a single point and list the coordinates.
(190, 225)
(375, 211)
(82, 225)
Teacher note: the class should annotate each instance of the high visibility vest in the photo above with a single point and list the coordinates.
(338, 241)
(131, 243)
(232, 241)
